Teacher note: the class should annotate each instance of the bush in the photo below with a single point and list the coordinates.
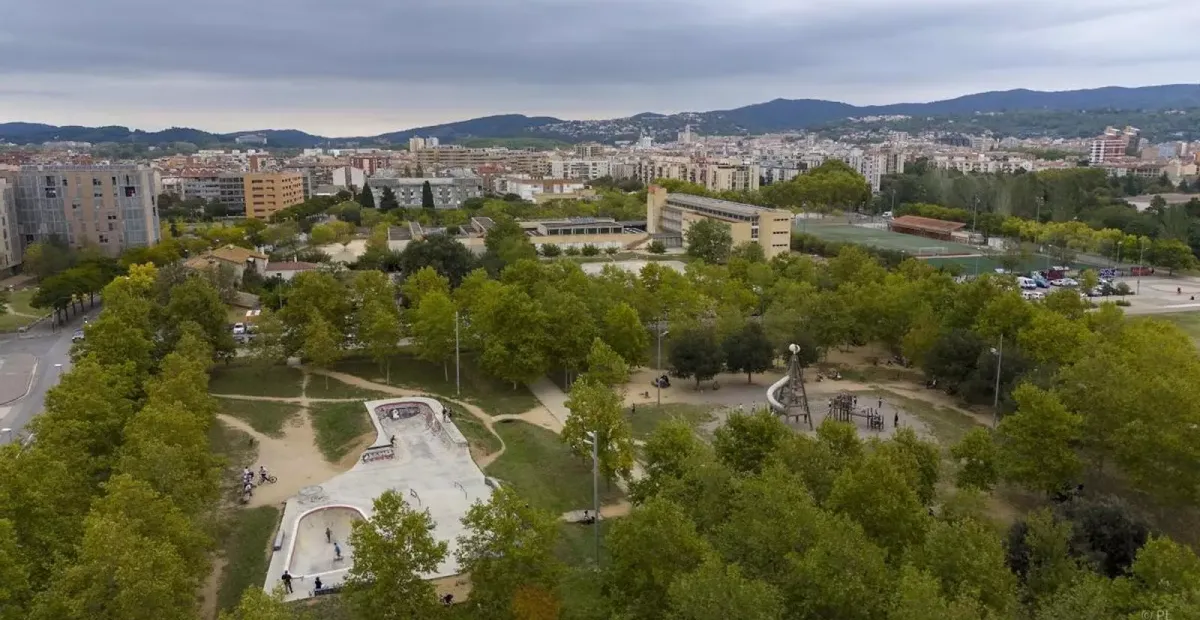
(1122, 289)
(571, 251)
(1124, 303)
(656, 247)
(611, 251)
(549, 250)
(590, 250)
(810, 244)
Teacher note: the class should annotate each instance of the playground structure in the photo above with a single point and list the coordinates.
(787, 396)
(418, 453)
(844, 408)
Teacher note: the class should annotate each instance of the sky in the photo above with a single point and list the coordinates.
(372, 66)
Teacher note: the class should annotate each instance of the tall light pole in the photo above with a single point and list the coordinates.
(1141, 251)
(657, 383)
(999, 353)
(594, 441)
(1119, 244)
(457, 365)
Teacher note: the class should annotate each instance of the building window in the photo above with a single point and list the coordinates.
(130, 191)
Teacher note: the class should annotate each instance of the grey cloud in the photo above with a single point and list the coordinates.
(508, 43)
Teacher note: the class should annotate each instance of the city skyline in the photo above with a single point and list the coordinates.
(235, 67)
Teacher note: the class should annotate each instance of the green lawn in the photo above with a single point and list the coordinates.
(250, 380)
(245, 547)
(338, 426)
(265, 417)
(328, 387)
(947, 425)
(13, 322)
(577, 543)
(492, 395)
(19, 302)
(476, 433)
(648, 417)
(1189, 322)
(537, 464)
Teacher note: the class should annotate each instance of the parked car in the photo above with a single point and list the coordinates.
(239, 329)
(77, 336)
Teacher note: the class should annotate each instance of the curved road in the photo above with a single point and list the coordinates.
(52, 348)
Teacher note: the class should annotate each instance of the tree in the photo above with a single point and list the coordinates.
(366, 198)
(969, 561)
(511, 350)
(570, 329)
(322, 344)
(878, 496)
(505, 244)
(198, 302)
(841, 575)
(918, 596)
(442, 253)
(427, 196)
(605, 365)
(387, 200)
(745, 442)
(624, 332)
(379, 330)
(549, 250)
(709, 240)
(596, 408)
(759, 545)
(696, 354)
(392, 551)
(508, 546)
(716, 591)
(259, 605)
(1036, 442)
(1166, 576)
(649, 550)
(1172, 254)
(977, 458)
(749, 351)
(15, 589)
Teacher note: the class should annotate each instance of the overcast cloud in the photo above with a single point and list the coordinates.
(370, 66)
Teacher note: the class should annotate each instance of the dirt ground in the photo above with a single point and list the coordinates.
(293, 459)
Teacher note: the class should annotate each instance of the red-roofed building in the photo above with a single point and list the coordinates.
(925, 227)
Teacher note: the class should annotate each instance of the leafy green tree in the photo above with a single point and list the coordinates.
(427, 196)
(259, 605)
(843, 575)
(649, 550)
(514, 351)
(1036, 442)
(441, 252)
(366, 198)
(312, 294)
(1172, 254)
(508, 546)
(606, 366)
(596, 408)
(380, 331)
(968, 559)
(433, 330)
(15, 589)
(505, 244)
(1089, 596)
(709, 240)
(919, 460)
(387, 200)
(1166, 576)
(570, 329)
(392, 550)
(322, 345)
(749, 350)
(745, 442)
(918, 596)
(198, 302)
(760, 545)
(876, 494)
(977, 458)
(267, 348)
(624, 332)
(696, 354)
(667, 456)
(717, 591)
(1039, 553)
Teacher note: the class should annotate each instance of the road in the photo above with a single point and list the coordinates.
(52, 348)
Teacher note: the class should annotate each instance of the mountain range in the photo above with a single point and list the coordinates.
(772, 116)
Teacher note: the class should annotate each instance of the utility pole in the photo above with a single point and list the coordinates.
(996, 398)
(595, 441)
(1141, 251)
(658, 384)
(457, 365)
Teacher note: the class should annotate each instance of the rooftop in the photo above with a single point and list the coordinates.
(926, 223)
(716, 204)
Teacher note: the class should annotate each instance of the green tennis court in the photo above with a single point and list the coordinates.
(884, 239)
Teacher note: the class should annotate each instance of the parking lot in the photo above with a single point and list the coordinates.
(1160, 295)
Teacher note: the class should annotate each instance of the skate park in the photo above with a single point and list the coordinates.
(417, 452)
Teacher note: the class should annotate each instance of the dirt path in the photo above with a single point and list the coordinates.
(607, 511)
(210, 587)
(302, 401)
(488, 421)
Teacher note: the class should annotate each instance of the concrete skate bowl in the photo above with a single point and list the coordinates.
(311, 554)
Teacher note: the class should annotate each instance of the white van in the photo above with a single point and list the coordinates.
(1027, 284)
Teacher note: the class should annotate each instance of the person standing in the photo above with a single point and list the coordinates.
(317, 584)
(287, 581)
(896, 420)
(328, 535)
(337, 551)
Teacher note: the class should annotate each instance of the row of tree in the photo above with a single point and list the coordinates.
(109, 513)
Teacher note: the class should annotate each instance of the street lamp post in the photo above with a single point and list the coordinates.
(999, 353)
(1141, 252)
(657, 383)
(595, 443)
(457, 365)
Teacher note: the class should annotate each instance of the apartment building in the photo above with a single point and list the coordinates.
(226, 188)
(11, 251)
(448, 192)
(445, 157)
(109, 207)
(584, 169)
(268, 192)
(714, 176)
(538, 190)
(668, 217)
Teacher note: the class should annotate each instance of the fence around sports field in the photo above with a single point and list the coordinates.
(968, 259)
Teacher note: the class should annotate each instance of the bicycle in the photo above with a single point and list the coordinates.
(268, 480)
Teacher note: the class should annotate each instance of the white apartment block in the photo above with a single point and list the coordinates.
(981, 163)
(11, 251)
(585, 169)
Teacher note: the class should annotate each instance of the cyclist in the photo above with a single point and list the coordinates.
(248, 489)
(262, 473)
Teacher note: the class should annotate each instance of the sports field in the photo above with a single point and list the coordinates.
(883, 239)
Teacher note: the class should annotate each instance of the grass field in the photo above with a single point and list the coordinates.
(1189, 322)
(244, 547)
(972, 265)
(327, 387)
(577, 543)
(537, 464)
(880, 238)
(494, 396)
(249, 380)
(20, 302)
(648, 417)
(265, 417)
(338, 426)
(477, 435)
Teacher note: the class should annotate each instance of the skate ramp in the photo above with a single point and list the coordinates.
(311, 553)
